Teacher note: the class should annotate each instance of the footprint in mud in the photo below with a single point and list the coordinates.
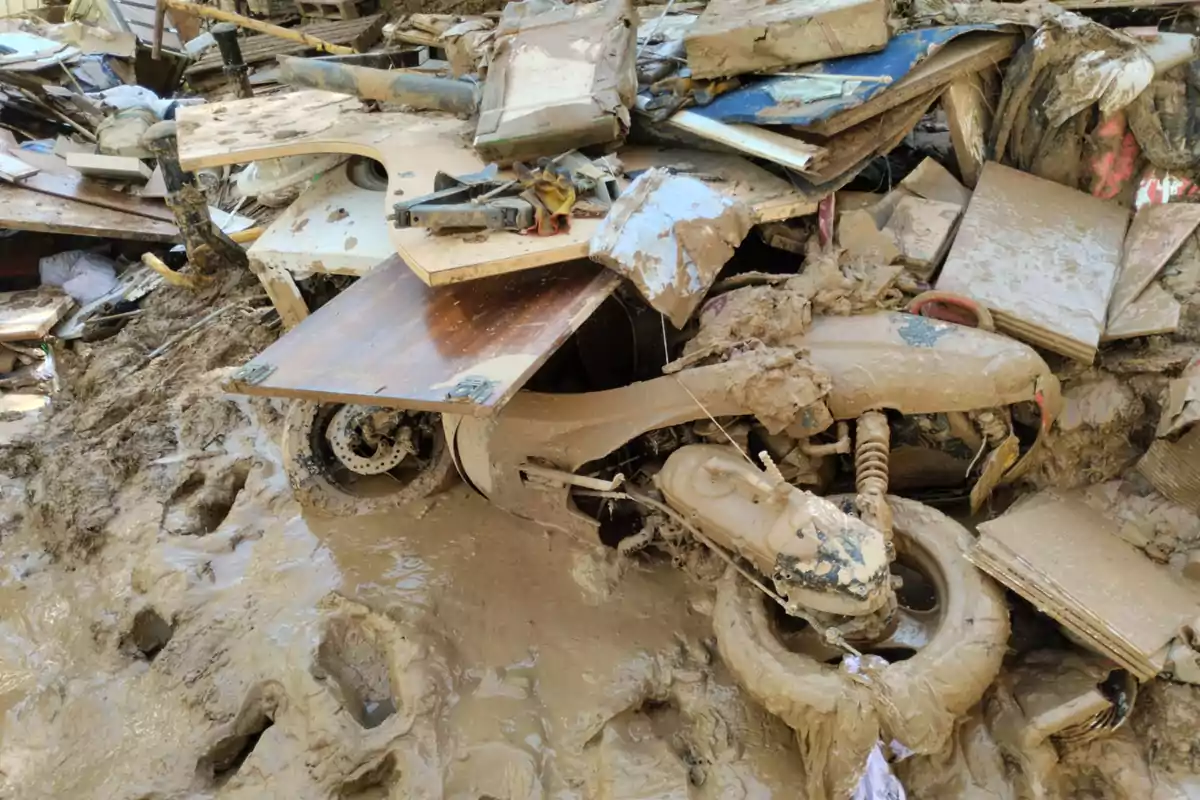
(148, 635)
(203, 500)
(640, 753)
(223, 760)
(374, 783)
(352, 662)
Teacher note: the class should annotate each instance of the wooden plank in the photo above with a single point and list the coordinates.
(13, 169)
(969, 117)
(962, 56)
(59, 180)
(391, 340)
(752, 140)
(1156, 233)
(31, 314)
(284, 294)
(1041, 256)
(413, 148)
(27, 210)
(123, 168)
(1154, 311)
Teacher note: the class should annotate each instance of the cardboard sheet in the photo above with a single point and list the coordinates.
(1042, 257)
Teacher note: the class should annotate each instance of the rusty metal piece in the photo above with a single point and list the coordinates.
(872, 446)
(209, 249)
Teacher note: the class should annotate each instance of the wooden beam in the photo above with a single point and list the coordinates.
(969, 116)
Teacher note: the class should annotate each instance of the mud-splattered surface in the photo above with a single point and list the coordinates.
(173, 626)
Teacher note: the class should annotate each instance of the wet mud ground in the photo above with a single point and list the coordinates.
(173, 625)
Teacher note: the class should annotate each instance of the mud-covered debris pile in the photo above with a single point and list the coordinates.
(862, 455)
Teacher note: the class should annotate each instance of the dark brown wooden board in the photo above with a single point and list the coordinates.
(391, 340)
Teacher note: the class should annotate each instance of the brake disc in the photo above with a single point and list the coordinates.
(354, 430)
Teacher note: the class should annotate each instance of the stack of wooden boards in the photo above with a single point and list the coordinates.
(828, 119)
(41, 192)
(1068, 560)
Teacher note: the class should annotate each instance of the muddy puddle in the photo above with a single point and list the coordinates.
(447, 651)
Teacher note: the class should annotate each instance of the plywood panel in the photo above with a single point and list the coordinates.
(413, 148)
(27, 210)
(391, 340)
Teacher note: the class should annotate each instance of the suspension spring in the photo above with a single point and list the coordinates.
(871, 448)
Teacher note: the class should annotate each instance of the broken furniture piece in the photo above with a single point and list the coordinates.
(670, 235)
(733, 37)
(413, 148)
(1104, 591)
(389, 340)
(1041, 257)
(588, 48)
(402, 87)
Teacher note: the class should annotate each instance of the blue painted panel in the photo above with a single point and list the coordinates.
(803, 101)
